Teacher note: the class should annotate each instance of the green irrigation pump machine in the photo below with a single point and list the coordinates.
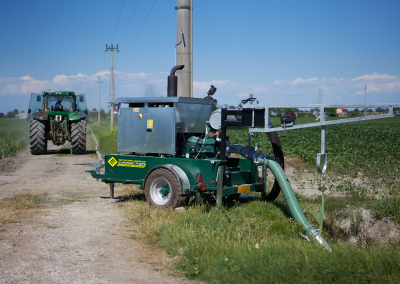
(177, 146)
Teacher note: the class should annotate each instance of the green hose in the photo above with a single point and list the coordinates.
(292, 202)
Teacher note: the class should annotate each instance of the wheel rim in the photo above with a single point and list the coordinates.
(160, 191)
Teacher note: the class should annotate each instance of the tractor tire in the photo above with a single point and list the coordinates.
(162, 190)
(278, 153)
(78, 137)
(38, 142)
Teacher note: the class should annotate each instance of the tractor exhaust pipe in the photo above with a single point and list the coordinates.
(172, 89)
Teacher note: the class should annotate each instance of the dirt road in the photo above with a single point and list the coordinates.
(86, 241)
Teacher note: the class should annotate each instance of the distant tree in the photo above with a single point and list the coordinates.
(10, 114)
(94, 109)
(232, 107)
(381, 109)
(22, 111)
(2, 115)
(355, 112)
(331, 112)
(103, 113)
(15, 111)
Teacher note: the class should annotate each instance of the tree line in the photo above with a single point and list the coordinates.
(10, 114)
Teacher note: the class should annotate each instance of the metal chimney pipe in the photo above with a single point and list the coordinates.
(184, 47)
(173, 81)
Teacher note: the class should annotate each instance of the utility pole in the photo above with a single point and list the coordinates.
(319, 95)
(98, 110)
(111, 48)
(184, 54)
(365, 100)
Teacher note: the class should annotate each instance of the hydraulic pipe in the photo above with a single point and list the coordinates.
(260, 158)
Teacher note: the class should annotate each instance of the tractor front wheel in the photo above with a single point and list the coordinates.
(78, 137)
(162, 189)
(38, 142)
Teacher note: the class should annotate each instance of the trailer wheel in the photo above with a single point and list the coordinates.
(38, 142)
(162, 189)
(278, 153)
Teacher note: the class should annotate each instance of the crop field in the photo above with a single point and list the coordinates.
(14, 136)
(258, 242)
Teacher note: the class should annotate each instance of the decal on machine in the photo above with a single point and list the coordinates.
(112, 161)
(131, 163)
(127, 163)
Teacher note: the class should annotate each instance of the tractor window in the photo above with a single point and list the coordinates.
(34, 105)
(59, 103)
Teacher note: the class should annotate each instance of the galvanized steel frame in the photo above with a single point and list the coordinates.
(322, 122)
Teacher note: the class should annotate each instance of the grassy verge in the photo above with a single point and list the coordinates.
(107, 139)
(14, 136)
(254, 242)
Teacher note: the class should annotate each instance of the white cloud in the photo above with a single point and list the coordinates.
(374, 77)
(300, 80)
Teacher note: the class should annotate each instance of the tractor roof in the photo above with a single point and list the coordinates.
(64, 93)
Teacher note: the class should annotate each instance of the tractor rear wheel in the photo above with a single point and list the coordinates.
(38, 142)
(78, 137)
(162, 189)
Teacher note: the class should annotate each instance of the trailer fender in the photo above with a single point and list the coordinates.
(179, 174)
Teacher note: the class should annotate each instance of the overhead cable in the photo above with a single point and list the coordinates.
(118, 20)
(129, 21)
(142, 25)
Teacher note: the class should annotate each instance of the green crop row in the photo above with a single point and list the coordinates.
(14, 136)
(370, 147)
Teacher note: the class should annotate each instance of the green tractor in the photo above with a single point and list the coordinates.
(59, 117)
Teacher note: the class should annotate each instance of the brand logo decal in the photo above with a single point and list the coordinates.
(112, 162)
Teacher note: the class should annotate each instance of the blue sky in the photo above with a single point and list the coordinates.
(280, 51)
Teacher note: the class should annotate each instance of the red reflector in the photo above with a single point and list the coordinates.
(201, 186)
(213, 181)
(199, 179)
(75, 113)
(259, 180)
(40, 113)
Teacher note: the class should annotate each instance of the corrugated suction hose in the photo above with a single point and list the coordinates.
(286, 188)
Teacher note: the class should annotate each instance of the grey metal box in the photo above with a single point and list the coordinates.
(150, 125)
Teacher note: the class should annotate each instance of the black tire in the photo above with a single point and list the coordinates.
(78, 137)
(38, 142)
(162, 190)
(278, 153)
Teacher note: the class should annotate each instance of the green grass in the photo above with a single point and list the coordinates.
(108, 139)
(14, 136)
(255, 242)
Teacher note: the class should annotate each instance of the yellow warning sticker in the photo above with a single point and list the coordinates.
(149, 124)
(112, 161)
(244, 188)
(131, 163)
(135, 109)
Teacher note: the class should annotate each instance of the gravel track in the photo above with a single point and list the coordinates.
(81, 242)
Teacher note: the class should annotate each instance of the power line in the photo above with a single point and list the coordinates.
(142, 25)
(130, 21)
(118, 20)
